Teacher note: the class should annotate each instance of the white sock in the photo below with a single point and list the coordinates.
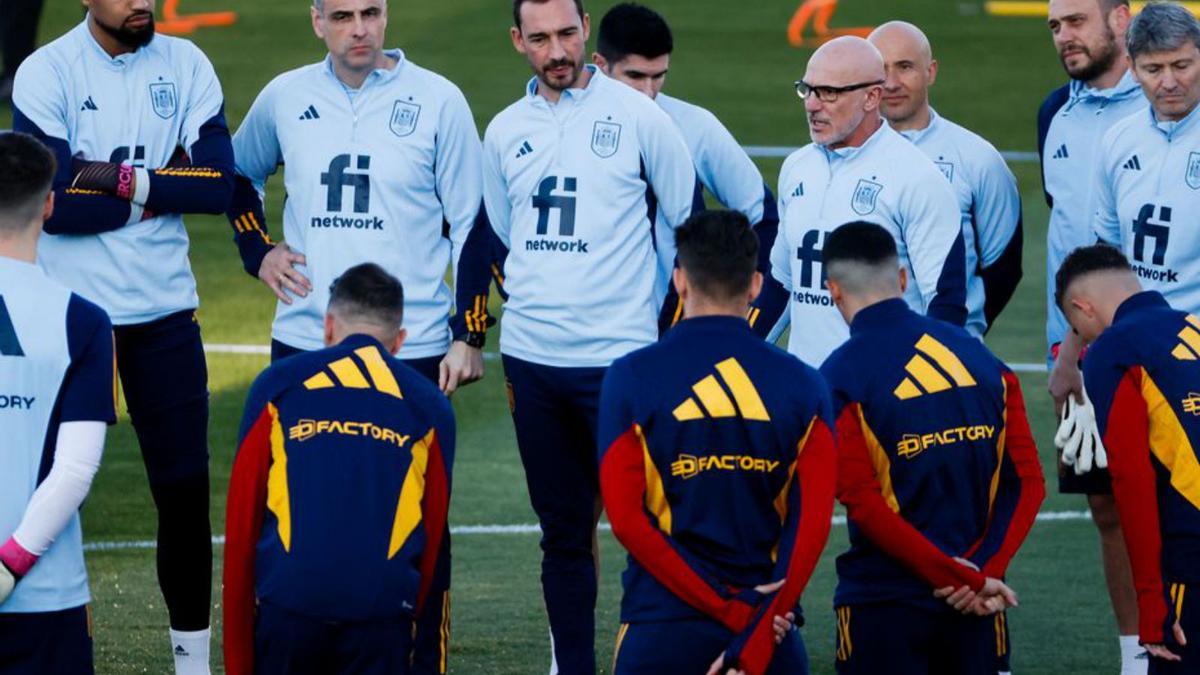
(1135, 660)
(190, 649)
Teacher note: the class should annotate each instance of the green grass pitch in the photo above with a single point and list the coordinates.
(730, 57)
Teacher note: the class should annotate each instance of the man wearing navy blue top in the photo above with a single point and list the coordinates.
(937, 469)
(338, 500)
(717, 472)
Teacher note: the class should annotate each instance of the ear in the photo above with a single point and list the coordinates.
(318, 29)
(933, 71)
(393, 345)
(903, 280)
(587, 26)
(601, 62)
(48, 207)
(330, 329)
(874, 97)
(1118, 21)
(679, 278)
(517, 41)
(835, 292)
(756, 284)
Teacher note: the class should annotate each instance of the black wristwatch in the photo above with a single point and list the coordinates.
(476, 340)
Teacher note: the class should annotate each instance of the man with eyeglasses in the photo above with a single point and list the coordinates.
(858, 168)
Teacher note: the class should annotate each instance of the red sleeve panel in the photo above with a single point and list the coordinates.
(816, 482)
(862, 470)
(1020, 477)
(435, 507)
(1127, 438)
(623, 487)
(245, 509)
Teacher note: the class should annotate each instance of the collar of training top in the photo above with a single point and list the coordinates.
(1139, 301)
(881, 315)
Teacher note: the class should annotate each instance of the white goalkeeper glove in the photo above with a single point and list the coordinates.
(7, 582)
(1079, 438)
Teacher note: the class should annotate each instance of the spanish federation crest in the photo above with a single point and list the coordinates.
(1193, 171)
(865, 194)
(947, 170)
(162, 99)
(404, 118)
(606, 138)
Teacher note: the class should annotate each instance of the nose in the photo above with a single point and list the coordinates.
(646, 86)
(557, 51)
(1169, 81)
(891, 81)
(143, 5)
(812, 103)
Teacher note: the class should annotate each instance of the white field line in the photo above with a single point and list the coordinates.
(263, 350)
(527, 528)
(781, 151)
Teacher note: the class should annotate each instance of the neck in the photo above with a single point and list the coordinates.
(1109, 78)
(553, 95)
(354, 77)
(860, 135)
(851, 305)
(20, 245)
(1173, 118)
(111, 46)
(694, 308)
(917, 121)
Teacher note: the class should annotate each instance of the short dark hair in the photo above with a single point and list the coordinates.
(630, 28)
(859, 242)
(517, 9)
(719, 252)
(26, 174)
(367, 293)
(1083, 261)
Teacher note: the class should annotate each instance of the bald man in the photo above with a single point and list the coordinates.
(986, 190)
(858, 168)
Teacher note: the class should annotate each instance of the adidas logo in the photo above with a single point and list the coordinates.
(1188, 348)
(526, 148)
(89, 104)
(310, 114)
(716, 400)
(180, 651)
(926, 378)
(1133, 164)
(347, 373)
(1062, 153)
(799, 191)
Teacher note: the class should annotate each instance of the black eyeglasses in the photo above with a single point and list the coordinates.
(829, 94)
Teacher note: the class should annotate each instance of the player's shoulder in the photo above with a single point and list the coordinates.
(85, 315)
(970, 145)
(431, 81)
(181, 53)
(685, 112)
(52, 64)
(640, 107)
(799, 159)
(510, 120)
(1129, 130)
(294, 81)
(1054, 101)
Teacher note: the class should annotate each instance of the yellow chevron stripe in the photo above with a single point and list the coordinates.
(318, 381)
(278, 499)
(1194, 321)
(907, 390)
(1179, 601)
(348, 374)
(713, 397)
(946, 360)
(656, 494)
(617, 648)
(688, 411)
(408, 509)
(1182, 353)
(748, 400)
(1169, 443)
(380, 374)
(925, 374)
(1191, 338)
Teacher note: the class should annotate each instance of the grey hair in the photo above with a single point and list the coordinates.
(1161, 27)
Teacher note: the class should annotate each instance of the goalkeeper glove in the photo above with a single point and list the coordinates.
(107, 177)
(1079, 438)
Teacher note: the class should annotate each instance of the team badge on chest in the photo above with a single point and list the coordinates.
(404, 118)
(865, 194)
(1193, 171)
(947, 170)
(606, 138)
(162, 99)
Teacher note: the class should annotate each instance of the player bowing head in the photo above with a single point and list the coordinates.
(1142, 371)
(553, 35)
(936, 467)
(717, 473)
(842, 88)
(1164, 48)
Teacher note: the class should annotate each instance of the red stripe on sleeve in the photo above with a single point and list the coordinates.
(435, 506)
(816, 479)
(623, 487)
(1135, 489)
(859, 490)
(1022, 452)
(245, 509)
